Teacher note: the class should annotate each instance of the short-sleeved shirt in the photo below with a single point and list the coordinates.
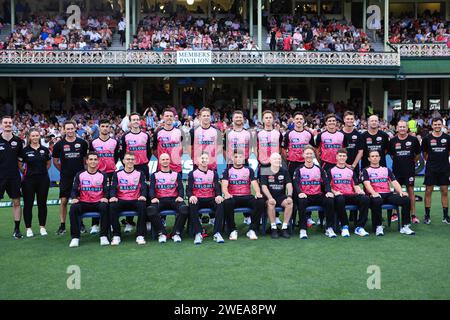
(276, 182)
(354, 144)
(403, 154)
(71, 155)
(437, 149)
(35, 160)
(239, 180)
(10, 152)
(379, 178)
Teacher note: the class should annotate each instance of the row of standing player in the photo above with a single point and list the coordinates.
(69, 153)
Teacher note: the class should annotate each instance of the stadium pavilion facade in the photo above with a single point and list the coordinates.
(407, 76)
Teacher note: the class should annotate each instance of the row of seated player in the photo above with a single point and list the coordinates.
(311, 186)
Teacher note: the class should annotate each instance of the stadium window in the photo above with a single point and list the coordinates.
(397, 10)
(431, 8)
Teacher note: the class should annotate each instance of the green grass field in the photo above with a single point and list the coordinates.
(319, 268)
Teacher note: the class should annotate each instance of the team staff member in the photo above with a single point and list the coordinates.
(137, 142)
(167, 193)
(236, 188)
(89, 194)
(294, 142)
(108, 150)
(268, 141)
(436, 149)
(275, 184)
(128, 192)
(10, 149)
(203, 190)
(237, 139)
(405, 152)
(329, 142)
(205, 138)
(312, 188)
(35, 162)
(168, 140)
(69, 156)
(354, 142)
(374, 140)
(376, 183)
(344, 185)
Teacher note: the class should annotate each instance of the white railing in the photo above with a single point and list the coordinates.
(218, 58)
(422, 50)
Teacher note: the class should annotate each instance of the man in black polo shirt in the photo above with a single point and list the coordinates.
(10, 148)
(354, 142)
(374, 140)
(405, 151)
(436, 149)
(275, 181)
(69, 158)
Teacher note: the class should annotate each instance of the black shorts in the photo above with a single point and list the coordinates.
(11, 186)
(279, 200)
(406, 181)
(65, 186)
(436, 178)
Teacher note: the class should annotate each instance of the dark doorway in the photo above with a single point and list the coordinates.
(357, 14)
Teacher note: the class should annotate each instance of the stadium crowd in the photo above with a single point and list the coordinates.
(42, 32)
(427, 29)
(299, 33)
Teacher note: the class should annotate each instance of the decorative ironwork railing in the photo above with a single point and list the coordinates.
(216, 58)
(422, 49)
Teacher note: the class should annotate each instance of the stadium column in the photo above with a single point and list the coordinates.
(386, 24)
(13, 15)
(259, 104)
(250, 9)
(134, 17)
(140, 92)
(259, 8)
(104, 90)
(68, 90)
(128, 102)
(127, 28)
(14, 94)
(385, 105)
(404, 94)
(61, 9)
(364, 93)
(134, 94)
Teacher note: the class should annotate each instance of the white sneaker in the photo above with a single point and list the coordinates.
(379, 232)
(128, 228)
(43, 232)
(149, 226)
(303, 234)
(115, 241)
(310, 222)
(361, 232)
(140, 240)
(212, 221)
(406, 230)
(162, 238)
(218, 238)
(198, 238)
(252, 235)
(95, 229)
(104, 241)
(330, 233)
(344, 232)
(30, 233)
(176, 238)
(233, 235)
(278, 221)
(75, 242)
(248, 220)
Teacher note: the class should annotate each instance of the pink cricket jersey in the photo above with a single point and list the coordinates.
(379, 178)
(105, 151)
(138, 144)
(239, 180)
(237, 140)
(268, 142)
(295, 143)
(170, 142)
(330, 143)
(310, 180)
(166, 184)
(204, 186)
(205, 140)
(342, 180)
(128, 185)
(91, 187)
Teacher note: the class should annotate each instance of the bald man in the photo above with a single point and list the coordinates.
(374, 140)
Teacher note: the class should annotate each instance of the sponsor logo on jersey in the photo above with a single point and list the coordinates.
(77, 145)
(408, 143)
(373, 175)
(281, 178)
(354, 137)
(379, 138)
(295, 140)
(14, 144)
(123, 181)
(305, 176)
(233, 176)
(30, 154)
(99, 148)
(2, 148)
(337, 175)
(164, 139)
(369, 140)
(398, 146)
(328, 140)
(132, 142)
(443, 140)
(198, 180)
(85, 182)
(41, 151)
(161, 180)
(98, 183)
